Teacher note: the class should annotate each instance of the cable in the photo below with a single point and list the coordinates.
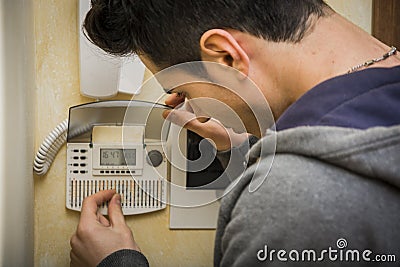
(49, 148)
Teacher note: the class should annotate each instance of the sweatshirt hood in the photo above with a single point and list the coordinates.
(373, 153)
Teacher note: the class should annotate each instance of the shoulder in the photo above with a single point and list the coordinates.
(301, 203)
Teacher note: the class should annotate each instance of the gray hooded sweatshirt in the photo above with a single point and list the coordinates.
(329, 196)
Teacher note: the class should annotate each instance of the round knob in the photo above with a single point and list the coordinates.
(155, 158)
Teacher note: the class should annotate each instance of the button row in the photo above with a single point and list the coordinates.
(82, 158)
(82, 172)
(77, 150)
(77, 164)
(114, 172)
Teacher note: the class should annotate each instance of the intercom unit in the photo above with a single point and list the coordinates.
(103, 76)
(107, 148)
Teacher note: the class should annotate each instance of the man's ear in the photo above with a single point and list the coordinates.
(220, 46)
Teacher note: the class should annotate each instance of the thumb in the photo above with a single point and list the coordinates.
(115, 211)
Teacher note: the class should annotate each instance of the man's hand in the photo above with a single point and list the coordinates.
(223, 138)
(96, 236)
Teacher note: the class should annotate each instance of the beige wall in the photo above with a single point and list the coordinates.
(358, 11)
(58, 89)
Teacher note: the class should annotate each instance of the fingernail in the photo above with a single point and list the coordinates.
(117, 199)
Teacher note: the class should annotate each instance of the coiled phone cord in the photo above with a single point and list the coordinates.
(49, 148)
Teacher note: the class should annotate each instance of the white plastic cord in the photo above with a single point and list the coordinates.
(49, 148)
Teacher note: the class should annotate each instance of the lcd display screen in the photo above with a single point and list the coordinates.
(117, 157)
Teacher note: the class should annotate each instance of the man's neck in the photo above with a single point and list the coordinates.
(330, 49)
(334, 47)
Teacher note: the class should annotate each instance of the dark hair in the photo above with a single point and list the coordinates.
(168, 31)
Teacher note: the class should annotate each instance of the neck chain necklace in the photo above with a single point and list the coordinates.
(368, 63)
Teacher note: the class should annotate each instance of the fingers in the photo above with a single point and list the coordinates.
(103, 220)
(175, 99)
(115, 211)
(204, 126)
(75, 259)
(96, 237)
(179, 117)
(187, 119)
(184, 119)
(91, 203)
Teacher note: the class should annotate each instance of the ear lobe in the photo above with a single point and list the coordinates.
(220, 46)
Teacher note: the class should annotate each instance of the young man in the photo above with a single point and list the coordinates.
(332, 193)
